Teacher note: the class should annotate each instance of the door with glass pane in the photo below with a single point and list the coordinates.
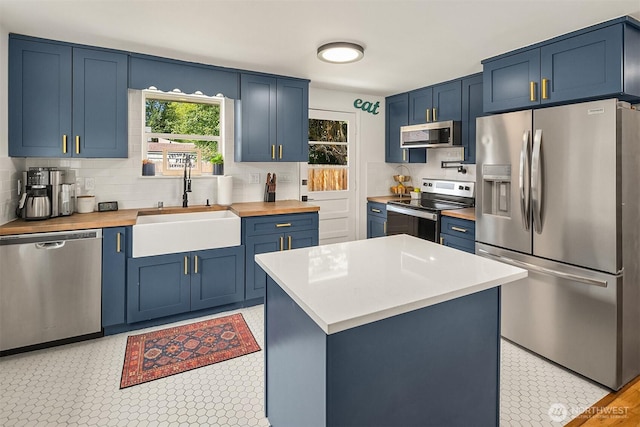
(327, 178)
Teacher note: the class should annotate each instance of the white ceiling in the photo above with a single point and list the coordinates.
(408, 44)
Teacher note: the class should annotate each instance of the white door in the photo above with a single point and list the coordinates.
(328, 179)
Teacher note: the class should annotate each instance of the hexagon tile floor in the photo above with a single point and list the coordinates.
(78, 385)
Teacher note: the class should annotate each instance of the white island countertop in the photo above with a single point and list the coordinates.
(345, 285)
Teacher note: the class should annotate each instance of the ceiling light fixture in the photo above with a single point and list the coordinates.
(340, 52)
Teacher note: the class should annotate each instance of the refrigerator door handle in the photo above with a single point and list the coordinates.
(524, 179)
(536, 188)
(543, 270)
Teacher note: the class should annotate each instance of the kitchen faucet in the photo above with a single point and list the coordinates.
(186, 182)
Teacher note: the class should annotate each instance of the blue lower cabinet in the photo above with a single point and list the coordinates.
(376, 219)
(165, 285)
(114, 275)
(271, 234)
(217, 278)
(458, 233)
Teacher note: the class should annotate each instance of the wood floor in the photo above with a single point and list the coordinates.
(621, 408)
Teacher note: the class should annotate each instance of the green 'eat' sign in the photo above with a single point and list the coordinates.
(366, 106)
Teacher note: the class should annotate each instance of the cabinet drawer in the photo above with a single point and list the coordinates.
(377, 209)
(270, 224)
(461, 228)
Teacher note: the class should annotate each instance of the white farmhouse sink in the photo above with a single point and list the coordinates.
(184, 232)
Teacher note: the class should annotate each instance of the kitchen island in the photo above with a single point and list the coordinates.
(387, 331)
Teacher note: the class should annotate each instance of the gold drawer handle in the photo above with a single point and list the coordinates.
(435, 115)
(384, 228)
(77, 144)
(428, 115)
(289, 248)
(281, 243)
(186, 266)
(404, 155)
(118, 242)
(195, 264)
(442, 240)
(462, 230)
(532, 91)
(273, 151)
(280, 151)
(64, 144)
(287, 224)
(376, 210)
(545, 83)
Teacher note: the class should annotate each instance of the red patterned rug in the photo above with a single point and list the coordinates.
(170, 351)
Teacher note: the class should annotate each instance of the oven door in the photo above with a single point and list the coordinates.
(414, 222)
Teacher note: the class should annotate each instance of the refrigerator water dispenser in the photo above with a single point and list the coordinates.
(496, 190)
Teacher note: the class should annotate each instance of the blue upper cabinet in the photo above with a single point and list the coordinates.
(99, 104)
(397, 115)
(272, 119)
(471, 110)
(512, 82)
(436, 103)
(420, 106)
(292, 120)
(39, 98)
(66, 101)
(592, 63)
(447, 101)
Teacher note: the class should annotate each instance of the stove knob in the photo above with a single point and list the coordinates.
(467, 188)
(460, 187)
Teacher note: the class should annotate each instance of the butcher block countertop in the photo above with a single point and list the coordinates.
(466, 213)
(125, 217)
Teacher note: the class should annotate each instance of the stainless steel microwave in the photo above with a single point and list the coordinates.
(430, 135)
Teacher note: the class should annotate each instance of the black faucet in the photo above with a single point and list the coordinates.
(186, 181)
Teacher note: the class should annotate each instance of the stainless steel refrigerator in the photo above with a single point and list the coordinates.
(558, 193)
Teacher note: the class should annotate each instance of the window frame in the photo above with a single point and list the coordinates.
(196, 98)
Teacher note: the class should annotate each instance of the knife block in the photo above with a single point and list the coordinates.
(269, 196)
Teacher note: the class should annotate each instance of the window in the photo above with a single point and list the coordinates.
(328, 155)
(181, 128)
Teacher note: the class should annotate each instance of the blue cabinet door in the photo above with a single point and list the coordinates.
(39, 99)
(217, 277)
(256, 278)
(397, 115)
(458, 243)
(471, 110)
(293, 120)
(158, 286)
(587, 65)
(256, 119)
(420, 105)
(99, 104)
(507, 82)
(301, 239)
(376, 226)
(114, 277)
(447, 101)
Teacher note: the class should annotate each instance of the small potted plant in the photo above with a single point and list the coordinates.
(218, 163)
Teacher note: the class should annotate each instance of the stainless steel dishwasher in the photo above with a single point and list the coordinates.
(50, 288)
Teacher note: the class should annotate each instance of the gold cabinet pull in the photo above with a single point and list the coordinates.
(273, 151)
(118, 242)
(435, 114)
(428, 115)
(376, 210)
(462, 230)
(404, 155)
(286, 224)
(545, 82)
(186, 266)
(532, 91)
(289, 248)
(64, 144)
(384, 227)
(280, 151)
(442, 240)
(77, 144)
(281, 243)
(195, 264)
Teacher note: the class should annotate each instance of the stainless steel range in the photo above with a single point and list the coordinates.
(421, 217)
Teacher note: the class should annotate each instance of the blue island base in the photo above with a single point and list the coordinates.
(434, 366)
